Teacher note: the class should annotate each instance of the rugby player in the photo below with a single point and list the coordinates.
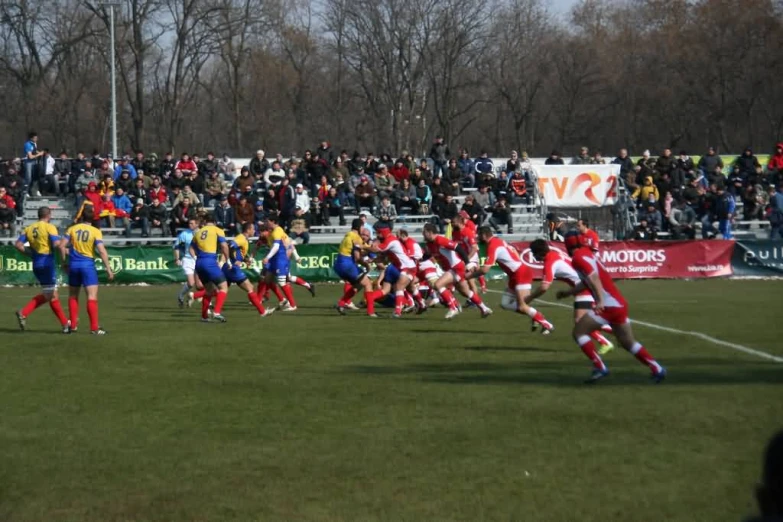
(426, 271)
(452, 258)
(346, 265)
(183, 258)
(78, 250)
(464, 230)
(277, 265)
(610, 309)
(558, 266)
(44, 239)
(388, 244)
(232, 269)
(208, 242)
(520, 277)
(588, 237)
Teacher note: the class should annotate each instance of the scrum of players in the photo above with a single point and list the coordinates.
(412, 278)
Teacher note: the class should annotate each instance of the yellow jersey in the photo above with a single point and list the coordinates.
(83, 239)
(42, 236)
(349, 243)
(239, 248)
(207, 241)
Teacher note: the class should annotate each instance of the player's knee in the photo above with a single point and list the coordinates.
(282, 280)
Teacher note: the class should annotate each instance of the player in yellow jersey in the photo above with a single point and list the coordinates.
(349, 257)
(208, 242)
(82, 242)
(276, 265)
(238, 253)
(43, 239)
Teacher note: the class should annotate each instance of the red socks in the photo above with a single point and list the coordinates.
(34, 303)
(299, 281)
(448, 298)
(644, 357)
(347, 296)
(483, 283)
(289, 294)
(73, 311)
(588, 348)
(370, 297)
(92, 313)
(199, 294)
(278, 293)
(600, 339)
(219, 300)
(476, 299)
(54, 304)
(205, 306)
(256, 301)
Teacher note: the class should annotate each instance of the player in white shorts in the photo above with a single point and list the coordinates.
(183, 259)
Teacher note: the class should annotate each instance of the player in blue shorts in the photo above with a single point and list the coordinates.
(276, 264)
(208, 242)
(82, 242)
(347, 266)
(43, 239)
(238, 253)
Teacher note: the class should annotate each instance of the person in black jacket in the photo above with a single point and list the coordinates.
(139, 218)
(554, 159)
(287, 198)
(166, 167)
(625, 162)
(157, 215)
(259, 164)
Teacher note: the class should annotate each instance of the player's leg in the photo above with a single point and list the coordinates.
(441, 286)
(399, 293)
(580, 309)
(288, 292)
(92, 307)
(464, 288)
(521, 291)
(54, 303)
(189, 269)
(74, 287)
(220, 297)
(413, 288)
(298, 281)
(253, 297)
(209, 291)
(625, 337)
(587, 324)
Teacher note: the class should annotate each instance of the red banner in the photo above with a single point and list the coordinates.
(654, 259)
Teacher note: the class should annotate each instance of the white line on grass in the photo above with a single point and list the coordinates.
(699, 335)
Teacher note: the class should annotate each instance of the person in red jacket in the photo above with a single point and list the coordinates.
(776, 160)
(186, 165)
(158, 191)
(400, 172)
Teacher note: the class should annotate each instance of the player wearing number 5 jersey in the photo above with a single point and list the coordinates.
(610, 309)
(43, 239)
(82, 242)
(208, 242)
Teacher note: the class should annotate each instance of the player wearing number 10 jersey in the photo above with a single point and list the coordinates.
(82, 242)
(43, 239)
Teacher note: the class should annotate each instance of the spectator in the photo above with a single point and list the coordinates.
(196, 184)
(302, 204)
(77, 165)
(386, 211)
(474, 210)
(187, 193)
(46, 182)
(177, 180)
(224, 215)
(643, 232)
(467, 168)
(86, 177)
(746, 164)
(409, 162)
(423, 197)
(144, 177)
(682, 221)
(157, 191)
(583, 158)
(259, 215)
(332, 206)
(647, 165)
(776, 214)
(753, 203)
(258, 165)
(664, 185)
(440, 189)
(484, 166)
(384, 183)
(485, 198)
(227, 168)
(735, 182)
(514, 164)
(322, 189)
(244, 212)
(643, 193)
(364, 216)
(399, 171)
(30, 161)
(724, 211)
(385, 159)
(106, 185)
(124, 181)
(287, 197)
(124, 164)
(665, 164)
(214, 188)
(597, 159)
(140, 163)
(355, 164)
(405, 198)
(121, 203)
(425, 169)
(271, 203)
(7, 215)
(370, 164)
(108, 212)
(518, 188)
(182, 212)
(554, 159)
(244, 180)
(501, 215)
(187, 166)
(210, 163)
(709, 162)
(274, 175)
(439, 154)
(625, 162)
(166, 167)
(365, 194)
(500, 185)
(446, 210)
(684, 167)
(775, 163)
(652, 215)
(153, 167)
(453, 176)
(92, 198)
(139, 218)
(324, 152)
(62, 174)
(339, 168)
(157, 215)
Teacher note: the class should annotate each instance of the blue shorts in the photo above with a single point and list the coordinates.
(234, 274)
(280, 268)
(84, 275)
(347, 270)
(209, 271)
(46, 275)
(391, 275)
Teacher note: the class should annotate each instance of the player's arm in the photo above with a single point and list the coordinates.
(19, 245)
(579, 287)
(105, 258)
(177, 244)
(272, 251)
(540, 290)
(593, 282)
(192, 249)
(224, 247)
(63, 246)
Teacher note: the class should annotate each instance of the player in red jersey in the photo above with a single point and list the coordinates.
(414, 251)
(520, 276)
(388, 244)
(610, 308)
(558, 266)
(588, 237)
(452, 258)
(464, 230)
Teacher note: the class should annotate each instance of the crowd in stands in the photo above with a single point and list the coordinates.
(150, 192)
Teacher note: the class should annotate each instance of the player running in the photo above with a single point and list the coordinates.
(452, 258)
(464, 230)
(610, 309)
(347, 266)
(183, 258)
(44, 239)
(558, 266)
(396, 254)
(78, 250)
(208, 242)
(426, 271)
(520, 277)
(277, 265)
(588, 237)
(296, 280)
(232, 269)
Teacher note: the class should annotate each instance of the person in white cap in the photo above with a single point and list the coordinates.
(258, 165)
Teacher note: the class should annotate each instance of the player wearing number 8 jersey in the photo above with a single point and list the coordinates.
(82, 242)
(43, 239)
(520, 277)
(610, 309)
(208, 242)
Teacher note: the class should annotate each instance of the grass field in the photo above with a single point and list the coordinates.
(312, 416)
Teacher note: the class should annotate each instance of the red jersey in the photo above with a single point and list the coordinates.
(444, 251)
(506, 256)
(392, 247)
(413, 249)
(586, 264)
(467, 236)
(590, 239)
(558, 266)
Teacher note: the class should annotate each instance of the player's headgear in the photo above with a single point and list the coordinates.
(383, 229)
(572, 239)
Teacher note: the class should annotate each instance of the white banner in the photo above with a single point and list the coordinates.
(578, 185)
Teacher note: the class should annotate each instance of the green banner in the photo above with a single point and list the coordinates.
(155, 265)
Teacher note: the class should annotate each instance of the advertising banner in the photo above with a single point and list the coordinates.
(758, 258)
(656, 259)
(578, 185)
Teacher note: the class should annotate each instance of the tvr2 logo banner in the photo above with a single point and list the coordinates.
(578, 185)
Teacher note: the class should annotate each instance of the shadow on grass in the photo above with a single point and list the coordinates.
(509, 349)
(567, 373)
(29, 332)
